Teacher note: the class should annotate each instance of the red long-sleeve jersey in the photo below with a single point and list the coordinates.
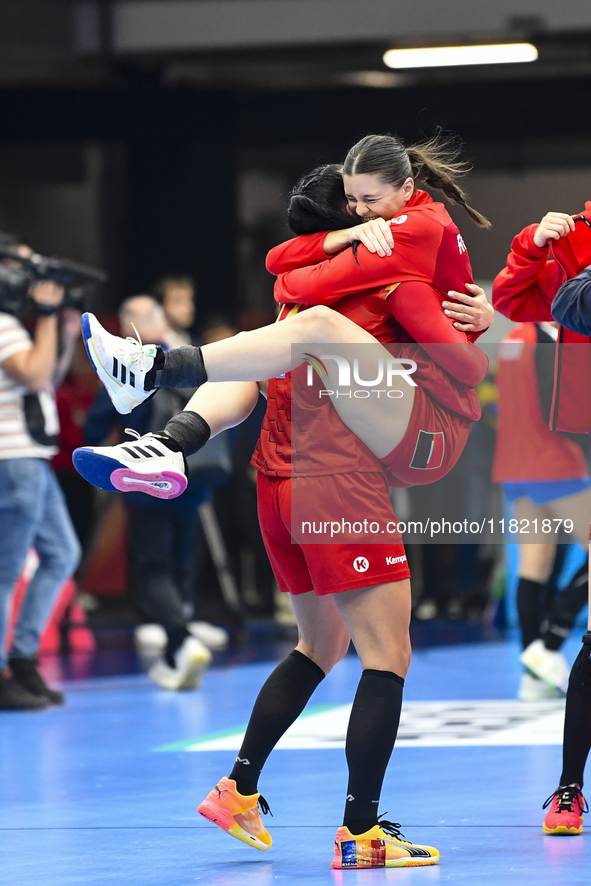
(526, 449)
(396, 298)
(393, 302)
(428, 248)
(524, 291)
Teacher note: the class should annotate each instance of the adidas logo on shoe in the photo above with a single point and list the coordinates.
(122, 364)
(147, 465)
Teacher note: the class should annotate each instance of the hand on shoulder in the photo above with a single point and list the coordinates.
(375, 234)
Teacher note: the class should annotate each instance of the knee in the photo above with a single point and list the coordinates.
(326, 652)
(393, 656)
(319, 323)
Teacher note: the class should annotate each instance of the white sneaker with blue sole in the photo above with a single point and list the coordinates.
(121, 364)
(145, 464)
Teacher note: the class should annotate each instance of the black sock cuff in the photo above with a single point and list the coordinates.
(389, 675)
(188, 430)
(304, 661)
(529, 582)
(182, 368)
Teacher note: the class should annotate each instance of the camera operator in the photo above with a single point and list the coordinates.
(33, 513)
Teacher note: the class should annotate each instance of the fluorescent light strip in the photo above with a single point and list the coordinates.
(442, 56)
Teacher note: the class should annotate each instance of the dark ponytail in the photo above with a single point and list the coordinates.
(434, 162)
(317, 202)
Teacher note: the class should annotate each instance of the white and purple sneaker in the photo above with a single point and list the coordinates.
(121, 364)
(145, 464)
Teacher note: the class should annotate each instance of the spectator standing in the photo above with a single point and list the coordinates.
(33, 513)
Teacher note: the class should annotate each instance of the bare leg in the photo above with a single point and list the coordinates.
(323, 634)
(535, 562)
(575, 507)
(378, 620)
(224, 405)
(273, 350)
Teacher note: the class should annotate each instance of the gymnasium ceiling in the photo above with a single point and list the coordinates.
(280, 44)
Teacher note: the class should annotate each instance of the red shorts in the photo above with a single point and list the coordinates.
(434, 440)
(328, 567)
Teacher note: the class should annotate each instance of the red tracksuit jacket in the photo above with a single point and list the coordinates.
(524, 291)
(540, 454)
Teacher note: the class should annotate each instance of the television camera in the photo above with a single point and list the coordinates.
(19, 273)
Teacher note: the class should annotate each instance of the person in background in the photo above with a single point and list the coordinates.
(544, 477)
(217, 327)
(177, 297)
(543, 257)
(163, 572)
(33, 512)
(74, 396)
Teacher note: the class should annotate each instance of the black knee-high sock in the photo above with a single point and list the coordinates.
(530, 606)
(281, 700)
(177, 368)
(371, 734)
(188, 430)
(577, 718)
(567, 606)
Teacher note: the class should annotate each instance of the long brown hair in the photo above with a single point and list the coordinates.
(434, 162)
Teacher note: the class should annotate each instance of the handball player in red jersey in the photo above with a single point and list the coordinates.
(543, 258)
(333, 600)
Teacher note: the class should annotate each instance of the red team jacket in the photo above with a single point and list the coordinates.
(524, 291)
(398, 300)
(541, 454)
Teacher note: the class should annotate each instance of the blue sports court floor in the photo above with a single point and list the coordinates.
(104, 790)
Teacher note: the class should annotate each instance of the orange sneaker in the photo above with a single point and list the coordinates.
(380, 847)
(236, 814)
(565, 815)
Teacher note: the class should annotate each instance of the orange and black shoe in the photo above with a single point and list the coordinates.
(565, 816)
(237, 814)
(380, 847)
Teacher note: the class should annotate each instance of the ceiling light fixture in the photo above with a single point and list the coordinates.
(442, 56)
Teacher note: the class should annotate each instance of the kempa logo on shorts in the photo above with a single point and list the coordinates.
(360, 564)
(390, 561)
(395, 368)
